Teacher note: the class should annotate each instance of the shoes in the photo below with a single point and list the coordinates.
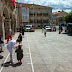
(1, 51)
(1, 57)
(11, 62)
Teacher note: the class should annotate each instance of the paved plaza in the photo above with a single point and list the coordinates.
(52, 53)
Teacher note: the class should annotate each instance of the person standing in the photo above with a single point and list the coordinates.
(1, 43)
(9, 35)
(11, 44)
(59, 30)
(23, 31)
(65, 28)
(45, 32)
(42, 29)
(20, 38)
(19, 52)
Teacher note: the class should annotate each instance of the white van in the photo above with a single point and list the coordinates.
(29, 28)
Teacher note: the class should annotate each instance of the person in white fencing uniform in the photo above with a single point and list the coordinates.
(11, 44)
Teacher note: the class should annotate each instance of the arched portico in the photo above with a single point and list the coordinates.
(6, 21)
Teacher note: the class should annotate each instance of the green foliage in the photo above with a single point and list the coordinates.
(68, 18)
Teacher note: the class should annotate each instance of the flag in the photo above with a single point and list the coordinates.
(13, 2)
(27, 6)
(16, 0)
(31, 6)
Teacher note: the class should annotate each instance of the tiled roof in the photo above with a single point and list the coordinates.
(56, 13)
(32, 4)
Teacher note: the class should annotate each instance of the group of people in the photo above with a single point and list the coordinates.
(61, 29)
(11, 44)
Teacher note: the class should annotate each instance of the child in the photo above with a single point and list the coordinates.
(20, 38)
(1, 43)
(19, 52)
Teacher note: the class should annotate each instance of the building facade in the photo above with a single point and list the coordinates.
(7, 17)
(58, 17)
(37, 15)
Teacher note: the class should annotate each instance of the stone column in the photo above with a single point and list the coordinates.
(7, 25)
(2, 29)
(15, 28)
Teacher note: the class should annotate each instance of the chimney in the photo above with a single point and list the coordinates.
(58, 11)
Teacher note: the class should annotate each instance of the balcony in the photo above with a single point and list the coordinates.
(32, 13)
(39, 14)
(31, 21)
(45, 14)
(39, 21)
(45, 21)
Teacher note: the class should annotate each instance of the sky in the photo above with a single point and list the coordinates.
(58, 5)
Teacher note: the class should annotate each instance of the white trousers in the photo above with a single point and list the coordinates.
(1, 45)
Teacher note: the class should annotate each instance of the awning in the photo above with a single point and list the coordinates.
(69, 23)
(61, 24)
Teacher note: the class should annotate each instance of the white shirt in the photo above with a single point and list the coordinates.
(11, 44)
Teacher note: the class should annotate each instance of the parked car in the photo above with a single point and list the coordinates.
(48, 28)
(29, 28)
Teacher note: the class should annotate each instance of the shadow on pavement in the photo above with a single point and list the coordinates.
(64, 33)
(7, 64)
(69, 34)
(1, 57)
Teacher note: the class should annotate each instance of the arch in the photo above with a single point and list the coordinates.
(5, 13)
(6, 21)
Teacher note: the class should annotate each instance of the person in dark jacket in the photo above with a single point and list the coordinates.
(20, 38)
(19, 52)
(23, 31)
(1, 57)
(1, 43)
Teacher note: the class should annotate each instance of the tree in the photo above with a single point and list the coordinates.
(68, 18)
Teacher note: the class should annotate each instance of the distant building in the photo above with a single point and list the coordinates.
(37, 15)
(58, 17)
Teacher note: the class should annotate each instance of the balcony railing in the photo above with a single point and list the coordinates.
(45, 14)
(45, 20)
(31, 21)
(38, 21)
(32, 13)
(39, 14)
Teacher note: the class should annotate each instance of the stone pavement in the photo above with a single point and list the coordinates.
(52, 53)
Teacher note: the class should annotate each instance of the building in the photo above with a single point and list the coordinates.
(58, 17)
(7, 17)
(37, 15)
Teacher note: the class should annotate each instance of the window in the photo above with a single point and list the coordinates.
(39, 12)
(45, 18)
(39, 25)
(32, 18)
(45, 11)
(39, 18)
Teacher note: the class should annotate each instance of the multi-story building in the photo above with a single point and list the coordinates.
(7, 17)
(37, 15)
(58, 17)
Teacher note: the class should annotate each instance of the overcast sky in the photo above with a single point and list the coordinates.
(57, 5)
